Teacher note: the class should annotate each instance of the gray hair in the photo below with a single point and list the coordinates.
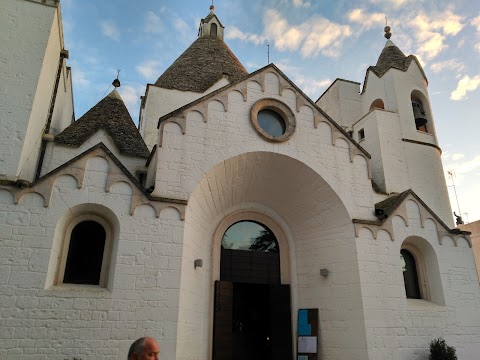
(138, 347)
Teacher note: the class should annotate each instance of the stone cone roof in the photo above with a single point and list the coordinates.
(205, 62)
(111, 115)
(392, 57)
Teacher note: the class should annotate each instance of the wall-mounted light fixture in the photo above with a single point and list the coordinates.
(197, 263)
(324, 272)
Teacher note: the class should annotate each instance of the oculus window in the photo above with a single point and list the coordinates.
(273, 120)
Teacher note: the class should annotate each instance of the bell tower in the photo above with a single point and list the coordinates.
(211, 26)
(398, 130)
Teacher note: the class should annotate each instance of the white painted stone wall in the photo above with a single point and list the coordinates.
(58, 154)
(63, 111)
(184, 159)
(26, 81)
(160, 102)
(401, 328)
(307, 184)
(342, 102)
(42, 321)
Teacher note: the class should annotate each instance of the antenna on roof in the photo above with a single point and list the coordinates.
(268, 54)
(458, 217)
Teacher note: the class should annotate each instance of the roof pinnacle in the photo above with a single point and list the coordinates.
(116, 82)
(212, 7)
(388, 34)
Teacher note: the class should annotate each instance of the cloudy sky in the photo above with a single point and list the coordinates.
(312, 41)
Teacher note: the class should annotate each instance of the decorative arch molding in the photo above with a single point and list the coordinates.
(76, 168)
(402, 212)
(179, 120)
(259, 77)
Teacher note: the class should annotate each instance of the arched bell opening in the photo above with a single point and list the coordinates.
(213, 30)
(377, 104)
(420, 111)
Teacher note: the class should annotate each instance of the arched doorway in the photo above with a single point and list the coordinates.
(252, 318)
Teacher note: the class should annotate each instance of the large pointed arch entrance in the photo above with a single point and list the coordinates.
(313, 229)
(252, 310)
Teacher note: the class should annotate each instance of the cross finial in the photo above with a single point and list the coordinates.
(212, 7)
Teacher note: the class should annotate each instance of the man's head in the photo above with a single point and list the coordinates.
(145, 348)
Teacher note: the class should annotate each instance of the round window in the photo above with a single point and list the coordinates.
(271, 122)
(273, 119)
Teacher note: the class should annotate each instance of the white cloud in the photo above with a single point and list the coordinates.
(131, 97)
(110, 30)
(153, 23)
(465, 85)
(299, 3)
(79, 78)
(477, 47)
(182, 29)
(315, 35)
(149, 69)
(309, 85)
(432, 31)
(476, 22)
(457, 156)
(394, 3)
(449, 65)
(367, 20)
(235, 33)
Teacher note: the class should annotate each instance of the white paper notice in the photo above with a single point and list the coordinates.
(307, 344)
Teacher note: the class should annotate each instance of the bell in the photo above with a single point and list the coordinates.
(419, 115)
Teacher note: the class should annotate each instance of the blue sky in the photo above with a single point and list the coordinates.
(313, 42)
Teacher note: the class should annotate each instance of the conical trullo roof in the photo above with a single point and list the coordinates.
(111, 115)
(201, 66)
(205, 62)
(393, 58)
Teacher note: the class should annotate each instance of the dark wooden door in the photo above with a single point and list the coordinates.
(222, 322)
(280, 322)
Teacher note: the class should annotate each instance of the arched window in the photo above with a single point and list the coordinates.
(250, 254)
(420, 269)
(86, 252)
(419, 111)
(410, 275)
(213, 30)
(377, 104)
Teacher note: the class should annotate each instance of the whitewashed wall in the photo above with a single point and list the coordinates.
(42, 321)
(26, 82)
(401, 328)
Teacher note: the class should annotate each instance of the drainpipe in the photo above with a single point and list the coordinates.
(46, 137)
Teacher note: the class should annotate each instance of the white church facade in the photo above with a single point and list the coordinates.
(241, 220)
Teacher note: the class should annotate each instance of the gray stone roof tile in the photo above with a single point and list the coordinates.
(205, 62)
(111, 115)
